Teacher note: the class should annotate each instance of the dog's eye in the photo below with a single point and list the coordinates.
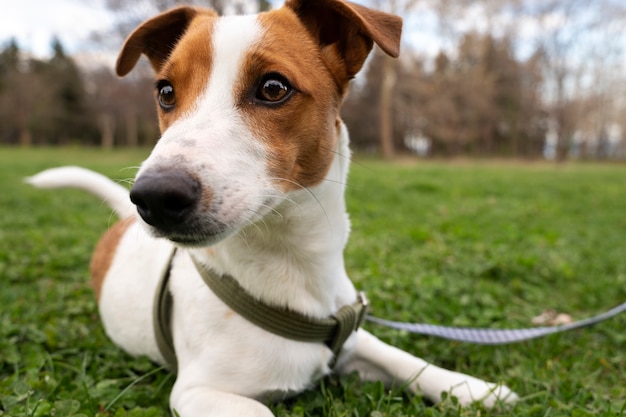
(166, 96)
(273, 89)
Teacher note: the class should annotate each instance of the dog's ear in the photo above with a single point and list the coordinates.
(155, 38)
(349, 30)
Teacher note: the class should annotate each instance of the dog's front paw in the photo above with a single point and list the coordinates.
(475, 390)
(198, 401)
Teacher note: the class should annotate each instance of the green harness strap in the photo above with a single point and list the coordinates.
(162, 317)
(333, 331)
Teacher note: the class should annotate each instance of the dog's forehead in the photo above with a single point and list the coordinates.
(207, 58)
(219, 59)
(233, 38)
(211, 39)
(269, 42)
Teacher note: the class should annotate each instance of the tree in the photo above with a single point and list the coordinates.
(25, 98)
(484, 101)
(70, 110)
(11, 109)
(41, 101)
(129, 13)
(388, 85)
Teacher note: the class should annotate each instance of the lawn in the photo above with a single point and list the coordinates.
(471, 244)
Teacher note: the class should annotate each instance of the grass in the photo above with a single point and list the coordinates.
(476, 244)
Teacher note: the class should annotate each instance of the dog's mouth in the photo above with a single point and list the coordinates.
(198, 240)
(192, 235)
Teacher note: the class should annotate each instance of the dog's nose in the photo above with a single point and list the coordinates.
(165, 198)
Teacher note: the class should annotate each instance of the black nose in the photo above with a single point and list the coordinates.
(165, 198)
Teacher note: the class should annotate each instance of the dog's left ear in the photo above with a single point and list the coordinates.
(348, 30)
(156, 38)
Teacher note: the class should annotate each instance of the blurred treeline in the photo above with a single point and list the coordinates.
(562, 98)
(55, 102)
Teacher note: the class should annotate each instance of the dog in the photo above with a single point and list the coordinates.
(247, 181)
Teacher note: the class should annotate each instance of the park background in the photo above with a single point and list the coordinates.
(497, 78)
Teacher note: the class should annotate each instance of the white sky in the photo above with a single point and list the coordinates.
(34, 23)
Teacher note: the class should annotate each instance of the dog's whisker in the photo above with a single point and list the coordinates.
(282, 196)
(127, 181)
(316, 177)
(243, 236)
(256, 224)
(347, 158)
(111, 220)
(336, 152)
(309, 191)
(272, 210)
(296, 183)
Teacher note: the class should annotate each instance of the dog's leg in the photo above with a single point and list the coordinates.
(376, 360)
(202, 401)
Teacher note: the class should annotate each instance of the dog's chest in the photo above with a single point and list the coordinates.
(242, 357)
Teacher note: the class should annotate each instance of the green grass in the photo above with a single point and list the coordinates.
(477, 244)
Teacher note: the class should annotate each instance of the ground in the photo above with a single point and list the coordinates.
(477, 243)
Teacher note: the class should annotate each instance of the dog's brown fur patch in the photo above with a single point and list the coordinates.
(104, 253)
(188, 67)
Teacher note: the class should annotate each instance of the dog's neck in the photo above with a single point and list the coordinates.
(294, 255)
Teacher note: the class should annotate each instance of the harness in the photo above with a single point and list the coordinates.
(333, 331)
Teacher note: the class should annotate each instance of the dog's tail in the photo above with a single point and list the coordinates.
(113, 194)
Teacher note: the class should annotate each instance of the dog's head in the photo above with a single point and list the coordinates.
(248, 108)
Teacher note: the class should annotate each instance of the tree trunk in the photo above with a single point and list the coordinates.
(386, 108)
(107, 129)
(132, 137)
(26, 138)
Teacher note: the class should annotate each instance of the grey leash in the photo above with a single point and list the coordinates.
(494, 336)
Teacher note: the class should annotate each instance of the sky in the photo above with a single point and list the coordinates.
(34, 23)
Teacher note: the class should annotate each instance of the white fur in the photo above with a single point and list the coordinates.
(113, 194)
(284, 249)
(128, 292)
(213, 141)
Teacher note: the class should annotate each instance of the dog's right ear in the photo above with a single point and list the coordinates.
(156, 38)
(347, 31)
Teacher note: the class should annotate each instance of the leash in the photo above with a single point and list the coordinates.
(494, 336)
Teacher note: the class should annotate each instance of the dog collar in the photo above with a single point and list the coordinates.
(332, 331)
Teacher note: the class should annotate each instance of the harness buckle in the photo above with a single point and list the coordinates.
(365, 304)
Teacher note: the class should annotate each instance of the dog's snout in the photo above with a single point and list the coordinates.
(165, 198)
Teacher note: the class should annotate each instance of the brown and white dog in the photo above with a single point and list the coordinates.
(248, 177)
